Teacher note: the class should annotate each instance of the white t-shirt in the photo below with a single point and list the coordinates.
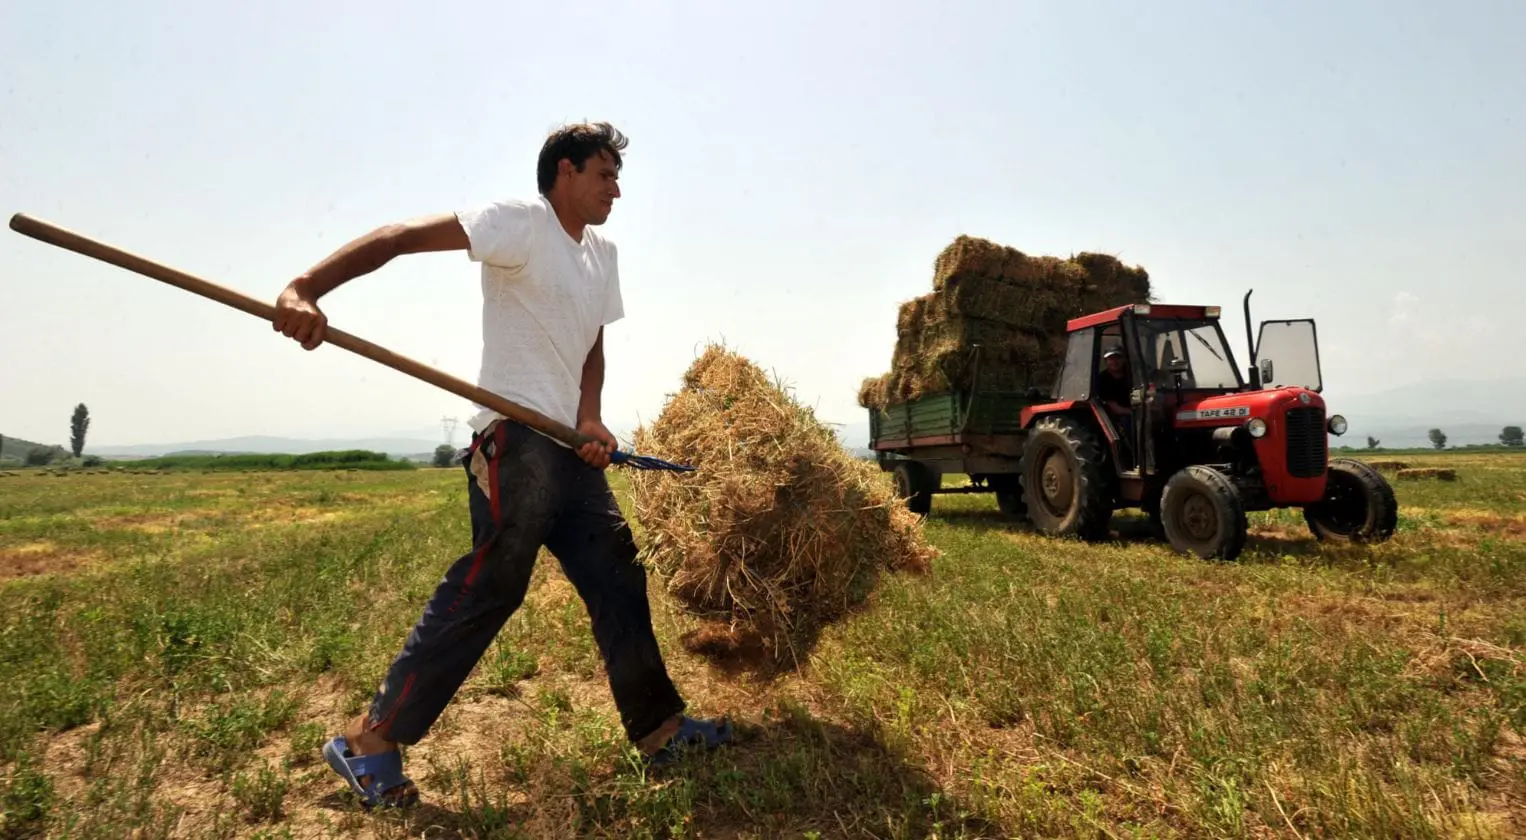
(544, 298)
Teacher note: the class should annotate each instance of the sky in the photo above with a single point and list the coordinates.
(793, 171)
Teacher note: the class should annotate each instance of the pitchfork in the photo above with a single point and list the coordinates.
(69, 240)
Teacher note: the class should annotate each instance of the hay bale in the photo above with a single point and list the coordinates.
(779, 530)
(969, 255)
(996, 300)
(912, 314)
(1110, 279)
(1012, 305)
(1388, 466)
(1422, 473)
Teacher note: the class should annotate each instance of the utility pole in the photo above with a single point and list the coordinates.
(449, 423)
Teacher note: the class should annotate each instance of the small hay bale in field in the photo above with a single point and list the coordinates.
(1422, 473)
(779, 530)
(1388, 466)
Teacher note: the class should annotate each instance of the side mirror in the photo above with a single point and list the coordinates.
(1266, 370)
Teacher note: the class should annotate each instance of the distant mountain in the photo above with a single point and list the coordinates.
(1466, 410)
(1411, 437)
(13, 449)
(265, 445)
(854, 435)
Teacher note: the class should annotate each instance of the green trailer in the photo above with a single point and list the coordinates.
(977, 433)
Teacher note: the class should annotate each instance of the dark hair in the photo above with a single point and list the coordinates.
(576, 143)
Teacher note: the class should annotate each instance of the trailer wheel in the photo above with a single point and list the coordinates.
(1150, 506)
(1358, 507)
(1064, 483)
(1203, 514)
(915, 483)
(1009, 496)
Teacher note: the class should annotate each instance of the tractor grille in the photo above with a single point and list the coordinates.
(1306, 442)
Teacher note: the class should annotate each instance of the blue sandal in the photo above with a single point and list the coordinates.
(385, 770)
(691, 734)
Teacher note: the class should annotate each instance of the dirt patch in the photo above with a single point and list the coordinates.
(1427, 473)
(1357, 615)
(66, 757)
(283, 515)
(475, 745)
(152, 522)
(213, 492)
(40, 558)
(1493, 524)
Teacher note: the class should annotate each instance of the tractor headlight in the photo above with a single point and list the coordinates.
(1256, 427)
(1337, 424)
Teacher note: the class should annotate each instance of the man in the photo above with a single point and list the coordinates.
(1113, 385)
(1113, 389)
(550, 285)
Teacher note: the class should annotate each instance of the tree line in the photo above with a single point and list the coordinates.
(1511, 436)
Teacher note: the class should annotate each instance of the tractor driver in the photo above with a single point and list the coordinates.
(1113, 387)
(1113, 384)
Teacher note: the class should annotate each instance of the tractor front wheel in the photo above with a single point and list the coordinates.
(1202, 513)
(1358, 507)
(1064, 480)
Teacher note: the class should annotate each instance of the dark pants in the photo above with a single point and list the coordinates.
(1124, 423)
(543, 495)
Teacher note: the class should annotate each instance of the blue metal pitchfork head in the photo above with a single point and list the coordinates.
(646, 462)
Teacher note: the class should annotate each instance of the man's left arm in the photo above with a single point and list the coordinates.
(590, 406)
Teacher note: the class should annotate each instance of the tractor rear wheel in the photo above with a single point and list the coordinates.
(1203, 514)
(1358, 507)
(1064, 480)
(915, 483)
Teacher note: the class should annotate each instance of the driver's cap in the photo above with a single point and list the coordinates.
(1112, 351)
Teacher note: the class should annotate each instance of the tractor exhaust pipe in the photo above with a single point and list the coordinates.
(1250, 346)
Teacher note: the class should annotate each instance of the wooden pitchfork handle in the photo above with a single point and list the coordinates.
(54, 235)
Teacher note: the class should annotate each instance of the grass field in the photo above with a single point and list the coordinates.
(175, 648)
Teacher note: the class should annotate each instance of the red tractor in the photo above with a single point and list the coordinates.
(1195, 445)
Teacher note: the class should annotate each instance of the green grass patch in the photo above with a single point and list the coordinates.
(183, 680)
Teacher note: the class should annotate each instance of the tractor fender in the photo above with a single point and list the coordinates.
(1085, 410)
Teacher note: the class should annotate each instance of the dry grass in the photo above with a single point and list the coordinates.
(779, 530)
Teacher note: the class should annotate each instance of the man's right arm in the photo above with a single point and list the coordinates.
(297, 313)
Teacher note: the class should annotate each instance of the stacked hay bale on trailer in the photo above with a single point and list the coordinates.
(997, 315)
(988, 339)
